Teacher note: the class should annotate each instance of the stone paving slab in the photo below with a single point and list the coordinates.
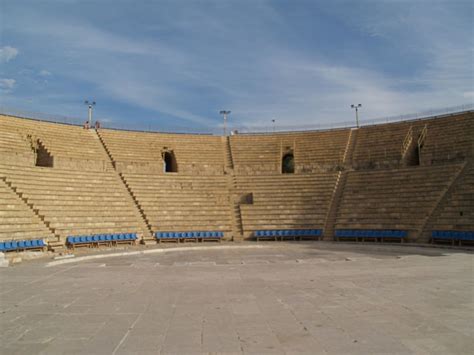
(282, 298)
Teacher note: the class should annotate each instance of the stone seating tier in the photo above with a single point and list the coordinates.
(69, 145)
(76, 202)
(18, 221)
(457, 212)
(262, 153)
(392, 199)
(138, 151)
(182, 203)
(286, 201)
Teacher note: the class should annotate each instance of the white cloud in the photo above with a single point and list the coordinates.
(44, 73)
(7, 85)
(7, 53)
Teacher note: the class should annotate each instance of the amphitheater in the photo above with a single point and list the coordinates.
(289, 242)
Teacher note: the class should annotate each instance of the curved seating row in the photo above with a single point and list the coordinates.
(370, 234)
(188, 236)
(18, 245)
(101, 239)
(293, 234)
(452, 236)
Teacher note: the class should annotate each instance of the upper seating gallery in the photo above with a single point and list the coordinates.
(446, 139)
(149, 152)
(30, 142)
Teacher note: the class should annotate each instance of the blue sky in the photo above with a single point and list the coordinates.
(175, 64)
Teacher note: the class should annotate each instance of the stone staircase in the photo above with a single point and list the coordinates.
(234, 208)
(147, 237)
(426, 227)
(339, 185)
(229, 163)
(351, 142)
(333, 207)
(54, 241)
(234, 200)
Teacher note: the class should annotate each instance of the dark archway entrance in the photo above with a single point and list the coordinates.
(169, 161)
(288, 164)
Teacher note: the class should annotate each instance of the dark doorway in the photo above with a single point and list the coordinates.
(43, 156)
(288, 164)
(170, 164)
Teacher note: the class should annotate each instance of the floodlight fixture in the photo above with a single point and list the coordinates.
(356, 107)
(225, 114)
(89, 104)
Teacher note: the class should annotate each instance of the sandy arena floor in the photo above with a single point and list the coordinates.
(279, 298)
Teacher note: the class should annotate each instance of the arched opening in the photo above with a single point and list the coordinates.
(288, 164)
(169, 161)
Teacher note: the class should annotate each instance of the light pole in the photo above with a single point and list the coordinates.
(356, 107)
(225, 113)
(273, 121)
(90, 104)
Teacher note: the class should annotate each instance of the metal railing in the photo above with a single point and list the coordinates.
(446, 111)
(240, 129)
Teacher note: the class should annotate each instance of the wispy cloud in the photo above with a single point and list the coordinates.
(298, 63)
(44, 73)
(7, 54)
(7, 85)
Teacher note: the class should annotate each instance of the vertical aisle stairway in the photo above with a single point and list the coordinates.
(339, 185)
(147, 237)
(424, 233)
(234, 205)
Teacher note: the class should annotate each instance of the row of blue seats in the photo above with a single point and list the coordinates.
(453, 235)
(370, 233)
(189, 235)
(22, 244)
(289, 233)
(116, 237)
